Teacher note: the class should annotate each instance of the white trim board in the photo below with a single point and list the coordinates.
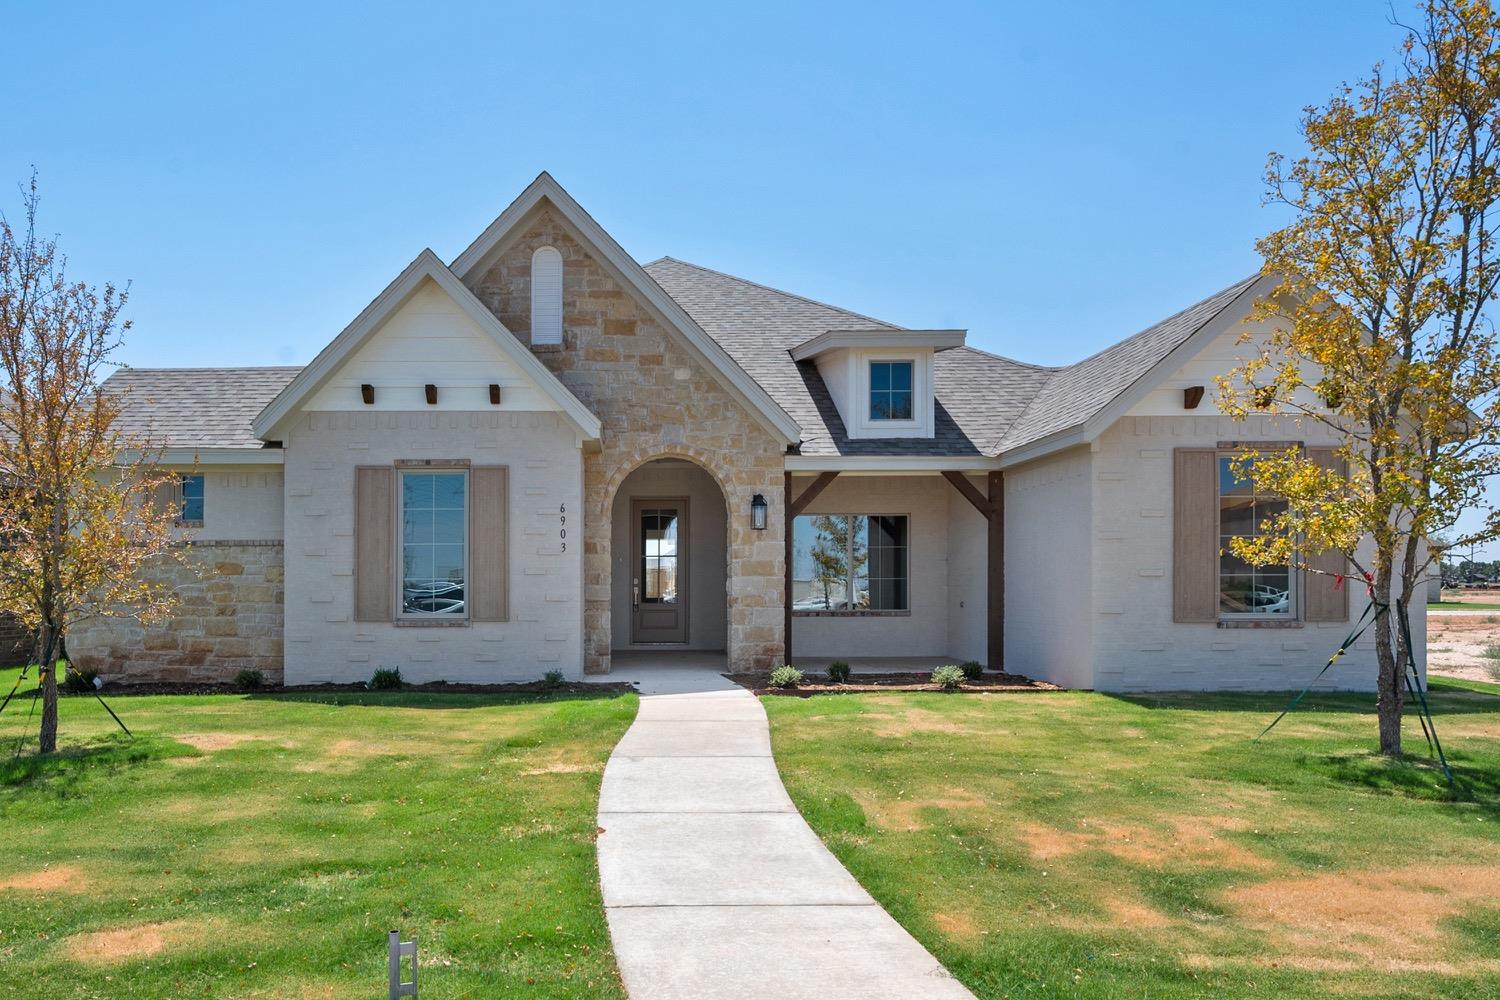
(766, 411)
(425, 266)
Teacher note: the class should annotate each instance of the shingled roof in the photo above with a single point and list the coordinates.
(1077, 392)
(986, 404)
(978, 394)
(195, 407)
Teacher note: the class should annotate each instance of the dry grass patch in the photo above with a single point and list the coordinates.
(1376, 918)
(914, 721)
(903, 813)
(124, 944)
(54, 878)
(1198, 839)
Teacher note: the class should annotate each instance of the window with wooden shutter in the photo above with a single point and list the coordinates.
(489, 543)
(1195, 535)
(374, 543)
(1323, 600)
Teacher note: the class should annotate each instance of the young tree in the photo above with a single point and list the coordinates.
(83, 506)
(1383, 321)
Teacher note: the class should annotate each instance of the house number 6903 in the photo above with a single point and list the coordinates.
(562, 517)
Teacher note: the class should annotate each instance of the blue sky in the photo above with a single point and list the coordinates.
(1050, 177)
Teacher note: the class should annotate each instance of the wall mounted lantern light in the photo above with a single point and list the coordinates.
(758, 512)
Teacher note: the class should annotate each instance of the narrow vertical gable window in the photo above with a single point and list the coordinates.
(192, 500)
(546, 296)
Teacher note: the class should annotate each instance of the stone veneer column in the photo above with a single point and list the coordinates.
(655, 400)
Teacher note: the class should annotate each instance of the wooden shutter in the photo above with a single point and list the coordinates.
(1195, 535)
(166, 497)
(374, 543)
(1321, 601)
(489, 544)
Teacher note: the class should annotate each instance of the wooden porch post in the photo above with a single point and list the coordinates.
(996, 559)
(992, 506)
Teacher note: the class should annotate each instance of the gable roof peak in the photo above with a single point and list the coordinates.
(425, 266)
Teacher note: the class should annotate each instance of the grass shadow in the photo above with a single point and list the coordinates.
(434, 700)
(62, 770)
(1446, 696)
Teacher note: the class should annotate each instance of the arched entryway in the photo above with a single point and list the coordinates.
(669, 565)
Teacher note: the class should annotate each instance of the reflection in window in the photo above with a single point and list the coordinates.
(849, 562)
(1245, 589)
(659, 556)
(192, 498)
(434, 568)
(890, 390)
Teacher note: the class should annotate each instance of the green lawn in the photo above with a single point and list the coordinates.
(1082, 845)
(262, 846)
(1475, 606)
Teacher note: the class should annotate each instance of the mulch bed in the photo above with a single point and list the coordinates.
(813, 684)
(117, 688)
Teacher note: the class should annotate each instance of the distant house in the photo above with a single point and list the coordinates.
(544, 453)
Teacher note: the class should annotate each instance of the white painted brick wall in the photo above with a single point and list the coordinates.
(545, 632)
(1137, 646)
(1049, 569)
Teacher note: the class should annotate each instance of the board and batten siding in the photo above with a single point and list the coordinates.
(430, 340)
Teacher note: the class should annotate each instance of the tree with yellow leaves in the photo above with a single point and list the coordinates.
(1383, 322)
(77, 510)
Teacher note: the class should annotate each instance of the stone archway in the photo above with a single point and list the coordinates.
(753, 563)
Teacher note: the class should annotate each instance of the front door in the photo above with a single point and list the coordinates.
(659, 561)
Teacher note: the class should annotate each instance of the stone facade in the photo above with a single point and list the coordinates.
(655, 400)
(228, 619)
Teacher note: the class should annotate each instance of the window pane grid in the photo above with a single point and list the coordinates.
(434, 570)
(1245, 589)
(192, 498)
(890, 390)
(850, 562)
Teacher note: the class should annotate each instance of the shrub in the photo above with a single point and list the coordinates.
(386, 679)
(949, 678)
(553, 679)
(249, 679)
(786, 677)
(838, 671)
(78, 680)
(972, 670)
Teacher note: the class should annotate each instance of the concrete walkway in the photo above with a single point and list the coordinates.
(713, 884)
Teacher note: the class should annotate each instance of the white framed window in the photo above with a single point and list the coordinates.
(434, 543)
(891, 390)
(850, 563)
(1246, 591)
(546, 296)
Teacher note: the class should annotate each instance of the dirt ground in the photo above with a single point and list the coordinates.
(1456, 645)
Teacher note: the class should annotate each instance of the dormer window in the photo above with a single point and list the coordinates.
(891, 390)
(546, 297)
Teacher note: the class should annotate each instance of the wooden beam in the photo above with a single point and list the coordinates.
(786, 528)
(808, 495)
(995, 591)
(969, 490)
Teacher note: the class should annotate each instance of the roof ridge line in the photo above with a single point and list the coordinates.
(209, 368)
(777, 291)
(1167, 319)
(1011, 360)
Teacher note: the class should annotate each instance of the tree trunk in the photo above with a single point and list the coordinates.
(46, 645)
(1389, 700)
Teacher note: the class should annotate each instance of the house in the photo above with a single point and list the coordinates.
(544, 454)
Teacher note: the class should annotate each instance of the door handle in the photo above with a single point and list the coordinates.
(635, 593)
